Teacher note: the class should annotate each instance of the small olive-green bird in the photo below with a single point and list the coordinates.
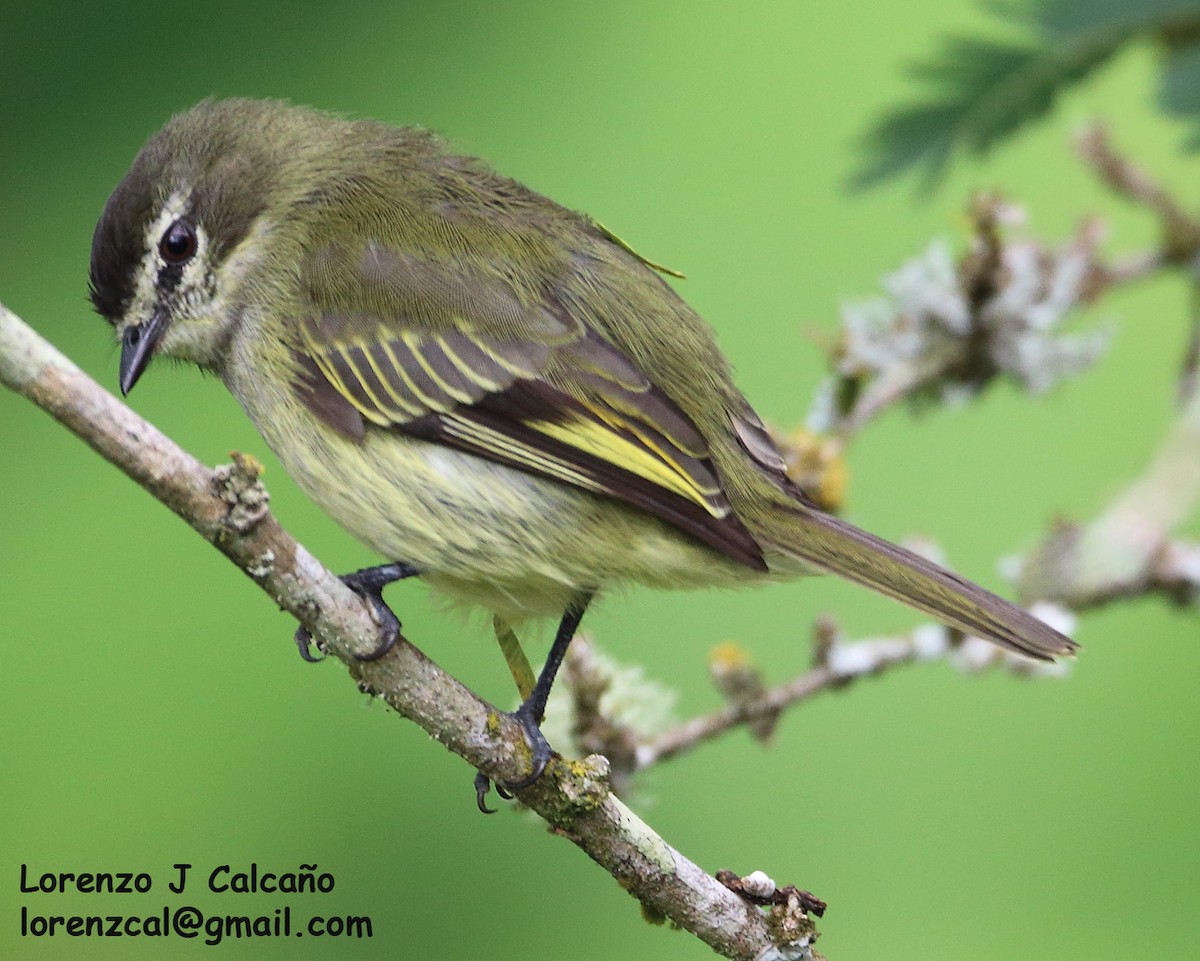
(490, 390)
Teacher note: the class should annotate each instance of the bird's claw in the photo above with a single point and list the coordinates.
(304, 642)
(367, 584)
(540, 755)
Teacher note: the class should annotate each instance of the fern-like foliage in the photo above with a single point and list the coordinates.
(983, 91)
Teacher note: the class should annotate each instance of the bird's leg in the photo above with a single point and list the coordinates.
(368, 584)
(529, 715)
(514, 657)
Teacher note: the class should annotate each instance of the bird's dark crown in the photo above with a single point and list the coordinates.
(221, 156)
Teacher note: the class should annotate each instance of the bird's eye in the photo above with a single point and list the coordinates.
(178, 243)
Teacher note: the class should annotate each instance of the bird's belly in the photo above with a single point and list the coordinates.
(487, 534)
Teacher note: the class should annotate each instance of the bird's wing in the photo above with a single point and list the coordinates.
(391, 340)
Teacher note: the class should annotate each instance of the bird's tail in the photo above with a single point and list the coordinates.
(829, 544)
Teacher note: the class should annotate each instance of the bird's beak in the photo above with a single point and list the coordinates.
(137, 346)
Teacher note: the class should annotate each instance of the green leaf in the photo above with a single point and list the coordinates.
(988, 90)
(1067, 18)
(1180, 90)
(984, 91)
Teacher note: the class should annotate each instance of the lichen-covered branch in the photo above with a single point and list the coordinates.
(1129, 550)
(944, 328)
(941, 332)
(228, 508)
(615, 729)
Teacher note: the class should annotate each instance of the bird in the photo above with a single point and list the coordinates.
(494, 392)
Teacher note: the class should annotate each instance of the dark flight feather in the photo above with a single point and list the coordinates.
(559, 401)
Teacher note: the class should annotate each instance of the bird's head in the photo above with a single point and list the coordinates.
(187, 225)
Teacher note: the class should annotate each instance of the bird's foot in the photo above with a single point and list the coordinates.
(528, 715)
(368, 584)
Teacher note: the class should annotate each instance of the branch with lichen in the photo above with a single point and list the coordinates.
(228, 508)
(616, 712)
(942, 331)
(1130, 549)
(945, 328)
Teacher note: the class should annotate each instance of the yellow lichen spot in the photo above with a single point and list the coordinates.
(584, 784)
(248, 464)
(815, 463)
(728, 657)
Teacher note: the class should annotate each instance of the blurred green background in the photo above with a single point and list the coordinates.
(154, 709)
